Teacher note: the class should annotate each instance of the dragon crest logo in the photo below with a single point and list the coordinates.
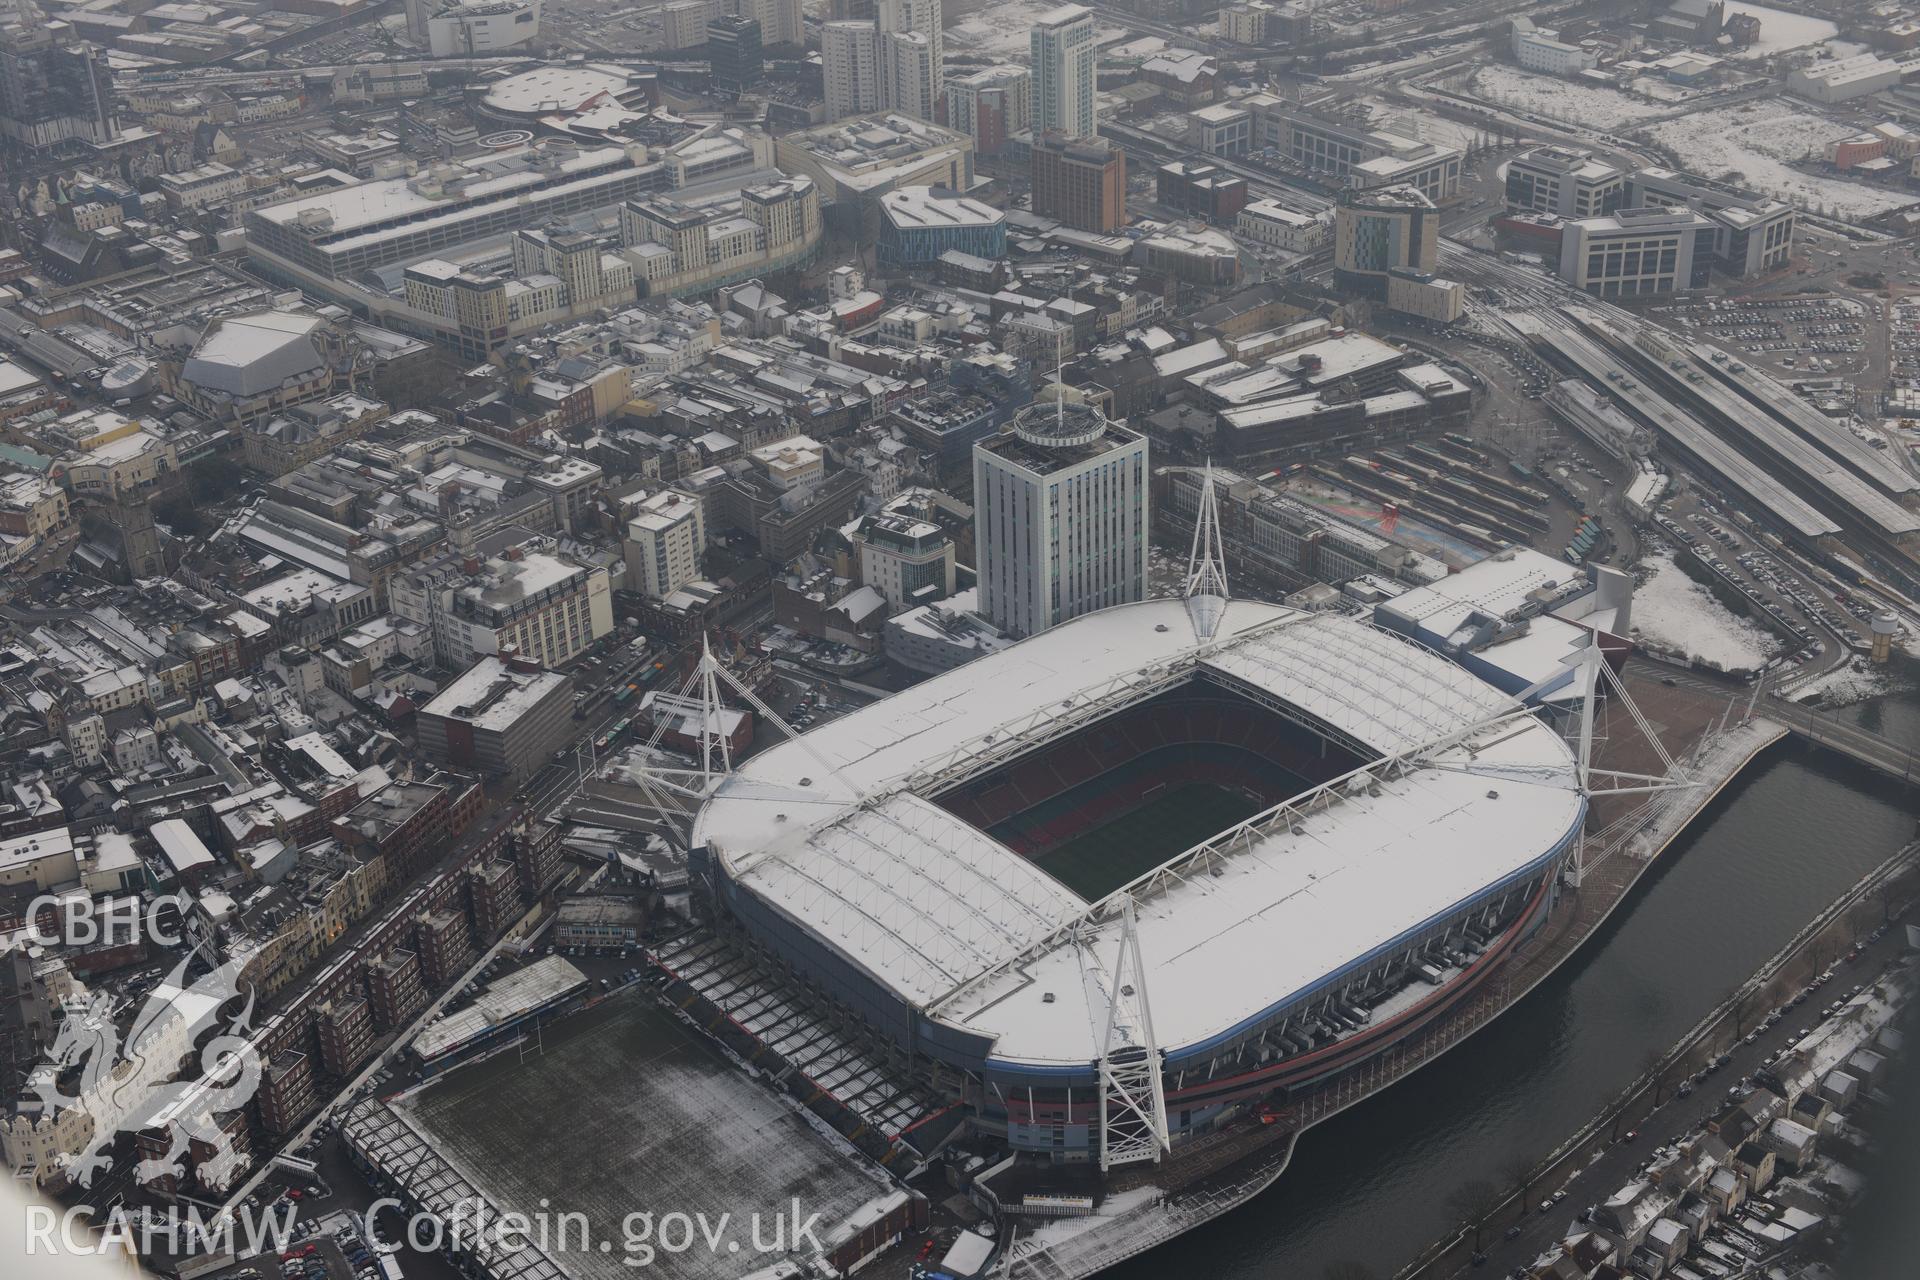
(137, 1086)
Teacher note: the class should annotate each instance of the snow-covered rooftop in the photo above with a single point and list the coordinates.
(492, 696)
(912, 207)
(555, 88)
(836, 831)
(1498, 584)
(514, 996)
(247, 355)
(180, 845)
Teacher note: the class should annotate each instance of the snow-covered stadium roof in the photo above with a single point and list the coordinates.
(833, 829)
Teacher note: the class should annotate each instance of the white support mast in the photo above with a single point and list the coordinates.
(1590, 667)
(1206, 590)
(709, 679)
(712, 713)
(1133, 1104)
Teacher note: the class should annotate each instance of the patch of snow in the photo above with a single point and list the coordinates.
(1674, 612)
(1000, 29)
(1425, 126)
(1556, 98)
(1132, 50)
(1760, 141)
(1058, 1229)
(1844, 685)
(1782, 30)
(1662, 90)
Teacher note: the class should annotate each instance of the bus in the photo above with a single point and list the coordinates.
(621, 694)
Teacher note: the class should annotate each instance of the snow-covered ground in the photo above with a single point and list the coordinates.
(1000, 28)
(1674, 612)
(1114, 1206)
(1782, 30)
(1136, 50)
(1557, 98)
(1663, 90)
(1424, 125)
(1759, 141)
(1843, 686)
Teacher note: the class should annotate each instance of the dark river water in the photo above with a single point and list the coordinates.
(1371, 1185)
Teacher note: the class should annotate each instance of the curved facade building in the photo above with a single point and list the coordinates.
(921, 223)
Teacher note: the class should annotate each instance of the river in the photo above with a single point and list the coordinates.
(1372, 1184)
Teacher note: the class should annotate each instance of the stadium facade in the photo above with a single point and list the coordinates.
(1412, 825)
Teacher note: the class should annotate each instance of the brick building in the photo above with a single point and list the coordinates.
(446, 946)
(1193, 186)
(536, 855)
(346, 1034)
(494, 888)
(395, 989)
(1080, 181)
(286, 1092)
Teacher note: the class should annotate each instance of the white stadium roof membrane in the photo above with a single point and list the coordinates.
(835, 829)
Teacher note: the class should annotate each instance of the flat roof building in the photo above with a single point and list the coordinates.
(499, 719)
(1060, 517)
(1637, 252)
(1079, 181)
(664, 543)
(1062, 49)
(906, 559)
(1538, 50)
(55, 89)
(1376, 233)
(1564, 181)
(351, 229)
(1195, 186)
(733, 50)
(1753, 233)
(864, 157)
(1350, 148)
(1271, 223)
(918, 224)
(1222, 129)
(990, 105)
(529, 602)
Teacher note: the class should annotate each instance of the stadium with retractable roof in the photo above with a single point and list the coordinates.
(997, 872)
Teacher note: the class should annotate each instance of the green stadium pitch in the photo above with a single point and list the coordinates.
(1095, 864)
